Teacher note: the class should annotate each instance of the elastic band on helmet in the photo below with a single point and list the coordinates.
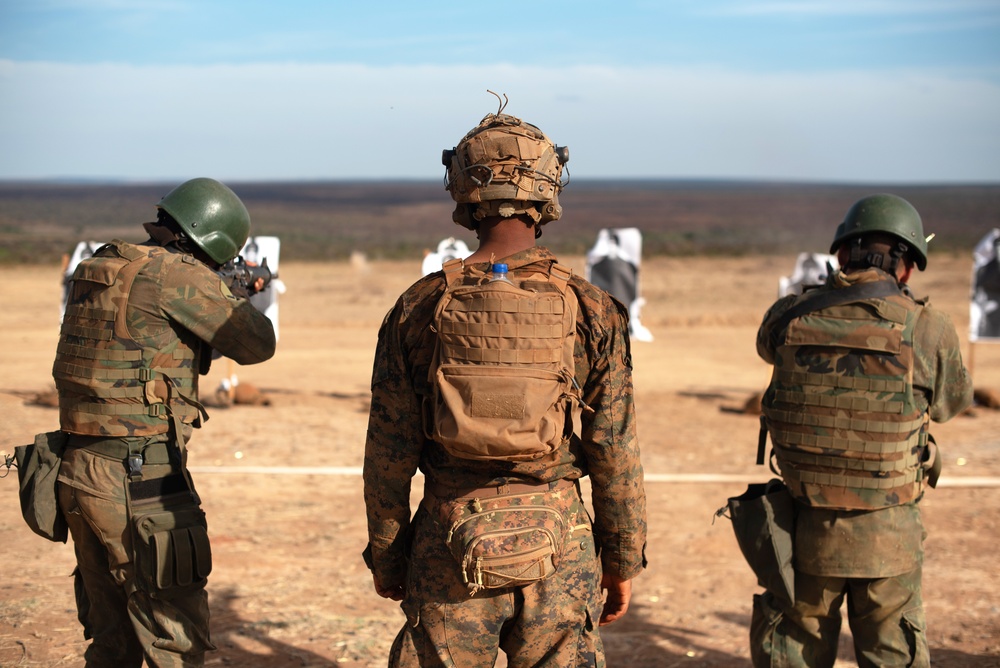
(886, 262)
(505, 208)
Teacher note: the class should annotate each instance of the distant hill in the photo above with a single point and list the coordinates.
(328, 220)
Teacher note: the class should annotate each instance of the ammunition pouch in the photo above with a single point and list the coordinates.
(764, 523)
(169, 534)
(37, 473)
(506, 539)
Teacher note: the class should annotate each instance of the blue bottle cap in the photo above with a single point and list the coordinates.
(500, 268)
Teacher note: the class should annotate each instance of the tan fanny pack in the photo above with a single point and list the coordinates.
(507, 539)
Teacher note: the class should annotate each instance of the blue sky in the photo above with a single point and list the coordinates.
(887, 91)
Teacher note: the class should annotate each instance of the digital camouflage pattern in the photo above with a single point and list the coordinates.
(549, 623)
(396, 447)
(167, 318)
(910, 356)
(506, 539)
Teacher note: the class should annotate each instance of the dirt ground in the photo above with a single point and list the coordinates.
(282, 489)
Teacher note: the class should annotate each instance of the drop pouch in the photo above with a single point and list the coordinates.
(37, 473)
(763, 520)
(170, 534)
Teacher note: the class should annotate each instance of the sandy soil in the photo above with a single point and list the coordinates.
(289, 587)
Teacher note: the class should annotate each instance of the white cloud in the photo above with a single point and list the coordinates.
(250, 122)
(854, 7)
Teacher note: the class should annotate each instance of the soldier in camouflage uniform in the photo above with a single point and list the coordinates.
(860, 367)
(140, 325)
(552, 621)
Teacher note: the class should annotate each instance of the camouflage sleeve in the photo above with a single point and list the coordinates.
(392, 454)
(610, 442)
(938, 368)
(765, 348)
(196, 298)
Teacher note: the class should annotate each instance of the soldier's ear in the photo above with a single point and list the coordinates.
(904, 270)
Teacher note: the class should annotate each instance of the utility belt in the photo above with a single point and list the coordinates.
(441, 491)
(506, 535)
(121, 450)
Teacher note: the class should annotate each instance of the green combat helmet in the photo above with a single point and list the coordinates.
(888, 214)
(211, 215)
(504, 167)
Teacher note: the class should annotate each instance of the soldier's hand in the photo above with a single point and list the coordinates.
(393, 592)
(619, 596)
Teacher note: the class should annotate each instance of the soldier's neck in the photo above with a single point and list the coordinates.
(502, 237)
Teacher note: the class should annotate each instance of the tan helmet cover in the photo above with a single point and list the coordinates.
(503, 167)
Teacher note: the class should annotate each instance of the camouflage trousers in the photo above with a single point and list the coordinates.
(885, 615)
(551, 623)
(125, 624)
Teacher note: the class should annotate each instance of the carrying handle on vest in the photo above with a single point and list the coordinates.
(560, 276)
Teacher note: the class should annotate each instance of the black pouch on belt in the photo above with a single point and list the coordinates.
(170, 534)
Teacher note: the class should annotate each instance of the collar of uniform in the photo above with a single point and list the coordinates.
(871, 275)
(521, 259)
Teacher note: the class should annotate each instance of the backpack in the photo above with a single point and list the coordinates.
(502, 373)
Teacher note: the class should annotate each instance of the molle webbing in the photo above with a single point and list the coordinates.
(105, 331)
(141, 374)
(507, 319)
(848, 431)
(844, 445)
(855, 481)
(843, 422)
(864, 384)
(842, 402)
(867, 465)
(101, 372)
(82, 405)
(503, 365)
(91, 353)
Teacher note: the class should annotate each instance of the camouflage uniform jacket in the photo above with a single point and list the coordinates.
(887, 541)
(176, 311)
(607, 451)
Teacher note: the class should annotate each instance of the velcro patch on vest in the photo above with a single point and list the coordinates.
(495, 405)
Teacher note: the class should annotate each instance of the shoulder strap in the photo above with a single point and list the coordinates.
(453, 270)
(127, 276)
(824, 300)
